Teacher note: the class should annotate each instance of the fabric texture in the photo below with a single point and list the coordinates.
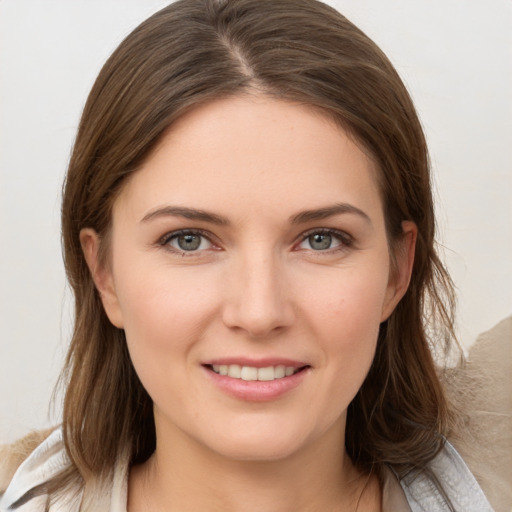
(482, 390)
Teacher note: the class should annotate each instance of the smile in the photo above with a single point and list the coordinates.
(257, 381)
(251, 373)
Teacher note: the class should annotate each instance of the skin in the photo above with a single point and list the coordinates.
(257, 287)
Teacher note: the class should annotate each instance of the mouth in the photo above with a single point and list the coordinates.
(252, 373)
(257, 380)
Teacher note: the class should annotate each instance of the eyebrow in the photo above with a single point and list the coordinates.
(300, 218)
(329, 211)
(186, 213)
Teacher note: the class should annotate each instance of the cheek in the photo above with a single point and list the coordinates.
(346, 319)
(165, 319)
(349, 304)
(164, 315)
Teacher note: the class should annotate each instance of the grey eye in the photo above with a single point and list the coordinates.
(320, 241)
(188, 242)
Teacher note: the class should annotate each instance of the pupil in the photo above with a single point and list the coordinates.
(320, 241)
(189, 242)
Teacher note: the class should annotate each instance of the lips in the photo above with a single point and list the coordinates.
(260, 380)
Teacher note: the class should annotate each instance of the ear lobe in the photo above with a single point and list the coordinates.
(400, 276)
(101, 275)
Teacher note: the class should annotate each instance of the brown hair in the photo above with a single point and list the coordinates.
(189, 53)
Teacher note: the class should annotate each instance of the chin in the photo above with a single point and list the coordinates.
(256, 451)
(259, 443)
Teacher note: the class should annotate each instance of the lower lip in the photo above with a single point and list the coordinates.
(257, 390)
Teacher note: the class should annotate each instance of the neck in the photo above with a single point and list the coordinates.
(183, 475)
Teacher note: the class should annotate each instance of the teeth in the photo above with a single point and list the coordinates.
(250, 373)
(235, 371)
(266, 373)
(279, 371)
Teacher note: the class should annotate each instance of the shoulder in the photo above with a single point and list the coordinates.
(482, 391)
(446, 480)
(13, 455)
(27, 466)
(474, 469)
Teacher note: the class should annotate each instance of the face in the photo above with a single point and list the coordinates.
(250, 271)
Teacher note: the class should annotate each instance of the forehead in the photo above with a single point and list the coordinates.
(254, 152)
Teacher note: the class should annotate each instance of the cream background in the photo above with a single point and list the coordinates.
(455, 57)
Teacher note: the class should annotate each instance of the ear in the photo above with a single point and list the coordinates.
(101, 275)
(400, 274)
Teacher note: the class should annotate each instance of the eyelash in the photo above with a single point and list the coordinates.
(346, 241)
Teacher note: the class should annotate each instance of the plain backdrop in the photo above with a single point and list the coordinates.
(455, 57)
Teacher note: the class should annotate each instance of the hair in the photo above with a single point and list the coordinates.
(192, 52)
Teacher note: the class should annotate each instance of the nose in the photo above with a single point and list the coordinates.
(258, 300)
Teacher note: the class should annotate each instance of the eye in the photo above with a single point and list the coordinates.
(186, 241)
(320, 241)
(324, 240)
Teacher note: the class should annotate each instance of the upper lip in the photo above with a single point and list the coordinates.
(256, 363)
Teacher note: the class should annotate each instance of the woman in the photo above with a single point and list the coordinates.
(248, 229)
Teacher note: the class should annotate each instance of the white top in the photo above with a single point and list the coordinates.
(418, 491)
